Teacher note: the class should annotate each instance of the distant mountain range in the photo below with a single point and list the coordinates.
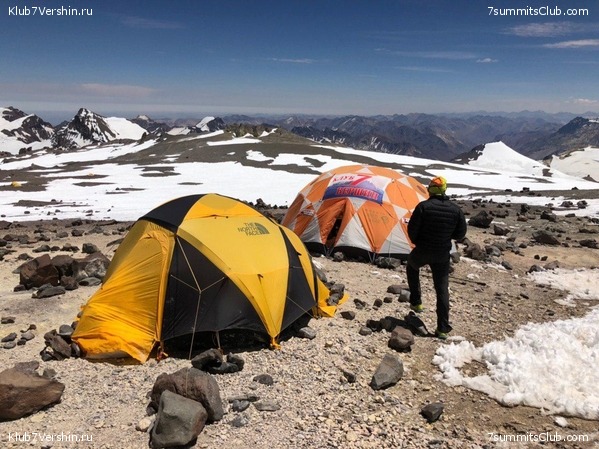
(442, 137)
(22, 132)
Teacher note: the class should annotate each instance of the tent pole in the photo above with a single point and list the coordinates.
(193, 335)
(218, 339)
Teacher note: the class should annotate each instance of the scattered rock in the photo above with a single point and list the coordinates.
(264, 379)
(350, 376)
(193, 384)
(89, 248)
(38, 272)
(178, 422)
(589, 243)
(144, 424)
(240, 406)
(240, 420)
(10, 337)
(348, 314)
(481, 220)
(388, 373)
(307, 332)
(500, 230)
(545, 237)
(47, 291)
(401, 339)
(23, 392)
(206, 359)
(432, 412)
(267, 406)
(546, 215)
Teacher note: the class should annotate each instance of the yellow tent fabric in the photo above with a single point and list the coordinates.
(123, 316)
(199, 263)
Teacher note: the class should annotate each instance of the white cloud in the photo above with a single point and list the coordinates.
(585, 101)
(548, 29)
(451, 55)
(574, 44)
(486, 60)
(294, 61)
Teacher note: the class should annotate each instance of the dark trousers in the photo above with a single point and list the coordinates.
(440, 267)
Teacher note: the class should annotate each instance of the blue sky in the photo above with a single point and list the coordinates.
(188, 58)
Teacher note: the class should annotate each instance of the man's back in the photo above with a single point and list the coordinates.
(435, 222)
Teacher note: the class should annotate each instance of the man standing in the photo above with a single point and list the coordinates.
(434, 223)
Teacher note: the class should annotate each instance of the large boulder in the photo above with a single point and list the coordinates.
(64, 264)
(179, 421)
(38, 272)
(545, 237)
(94, 265)
(192, 384)
(23, 391)
(481, 220)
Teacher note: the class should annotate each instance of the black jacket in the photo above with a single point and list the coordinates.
(434, 223)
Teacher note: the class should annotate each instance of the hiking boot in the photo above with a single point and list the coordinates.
(417, 308)
(441, 335)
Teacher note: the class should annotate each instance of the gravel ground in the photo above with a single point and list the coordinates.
(105, 403)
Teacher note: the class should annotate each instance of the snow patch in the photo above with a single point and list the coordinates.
(551, 366)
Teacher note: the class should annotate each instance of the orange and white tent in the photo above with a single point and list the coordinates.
(357, 209)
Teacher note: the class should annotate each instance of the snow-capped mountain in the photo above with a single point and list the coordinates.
(20, 131)
(583, 163)
(88, 128)
(498, 156)
(150, 125)
(578, 133)
(206, 125)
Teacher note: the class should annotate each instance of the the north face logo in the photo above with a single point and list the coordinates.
(253, 229)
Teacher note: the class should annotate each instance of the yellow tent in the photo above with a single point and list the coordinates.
(195, 264)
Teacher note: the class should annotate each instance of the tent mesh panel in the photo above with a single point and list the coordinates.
(195, 285)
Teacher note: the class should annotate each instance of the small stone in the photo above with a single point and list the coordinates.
(307, 332)
(432, 412)
(240, 420)
(264, 379)
(144, 424)
(10, 337)
(359, 304)
(240, 406)
(267, 406)
(28, 335)
(349, 376)
(365, 331)
(348, 314)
